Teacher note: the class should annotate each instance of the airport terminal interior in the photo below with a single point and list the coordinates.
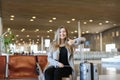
(27, 28)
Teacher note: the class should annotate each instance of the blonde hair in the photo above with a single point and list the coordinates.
(56, 42)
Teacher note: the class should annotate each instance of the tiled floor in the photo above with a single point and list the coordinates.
(107, 77)
(107, 71)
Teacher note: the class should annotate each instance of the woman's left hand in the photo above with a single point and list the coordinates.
(71, 41)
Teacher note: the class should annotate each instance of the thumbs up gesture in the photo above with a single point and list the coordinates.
(76, 41)
(71, 41)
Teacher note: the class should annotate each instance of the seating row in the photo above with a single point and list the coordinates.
(21, 67)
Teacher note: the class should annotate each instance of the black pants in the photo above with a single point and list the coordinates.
(53, 73)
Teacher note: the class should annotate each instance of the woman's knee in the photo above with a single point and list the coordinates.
(49, 70)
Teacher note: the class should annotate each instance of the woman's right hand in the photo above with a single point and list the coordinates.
(61, 65)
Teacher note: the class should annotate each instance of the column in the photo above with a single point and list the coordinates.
(79, 29)
(1, 25)
(42, 44)
(1, 28)
(80, 47)
(1, 18)
(101, 42)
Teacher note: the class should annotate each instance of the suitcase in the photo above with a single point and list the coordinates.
(88, 70)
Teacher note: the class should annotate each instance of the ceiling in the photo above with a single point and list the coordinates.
(99, 11)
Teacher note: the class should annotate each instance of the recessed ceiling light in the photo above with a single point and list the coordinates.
(17, 35)
(11, 19)
(72, 32)
(31, 19)
(100, 24)
(12, 16)
(23, 30)
(8, 29)
(75, 31)
(36, 30)
(50, 21)
(68, 21)
(84, 22)
(83, 32)
(106, 21)
(50, 30)
(91, 20)
(34, 17)
(73, 19)
(87, 31)
(28, 35)
(54, 18)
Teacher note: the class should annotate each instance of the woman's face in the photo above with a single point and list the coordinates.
(63, 33)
